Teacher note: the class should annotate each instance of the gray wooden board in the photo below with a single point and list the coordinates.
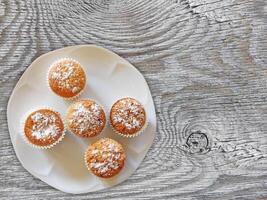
(206, 64)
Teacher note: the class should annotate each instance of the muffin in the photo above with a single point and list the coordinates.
(43, 128)
(66, 78)
(86, 118)
(128, 117)
(105, 158)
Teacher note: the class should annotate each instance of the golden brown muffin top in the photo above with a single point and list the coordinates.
(105, 158)
(66, 78)
(86, 118)
(127, 116)
(43, 127)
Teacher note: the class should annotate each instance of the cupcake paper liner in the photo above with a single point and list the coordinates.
(66, 98)
(34, 145)
(128, 135)
(85, 160)
(105, 126)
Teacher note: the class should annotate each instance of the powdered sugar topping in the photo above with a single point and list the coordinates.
(86, 118)
(129, 113)
(110, 155)
(63, 73)
(44, 126)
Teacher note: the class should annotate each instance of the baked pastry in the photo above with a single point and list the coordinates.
(66, 78)
(105, 158)
(86, 118)
(43, 128)
(128, 117)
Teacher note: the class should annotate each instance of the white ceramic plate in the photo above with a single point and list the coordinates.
(109, 77)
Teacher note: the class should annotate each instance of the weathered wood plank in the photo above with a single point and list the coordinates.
(205, 62)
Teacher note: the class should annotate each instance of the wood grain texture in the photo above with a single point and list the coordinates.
(206, 64)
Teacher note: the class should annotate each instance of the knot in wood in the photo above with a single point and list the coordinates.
(197, 142)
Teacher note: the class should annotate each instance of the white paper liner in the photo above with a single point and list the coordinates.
(67, 124)
(129, 135)
(38, 146)
(66, 98)
(89, 169)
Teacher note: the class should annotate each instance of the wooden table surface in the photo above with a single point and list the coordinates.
(206, 64)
